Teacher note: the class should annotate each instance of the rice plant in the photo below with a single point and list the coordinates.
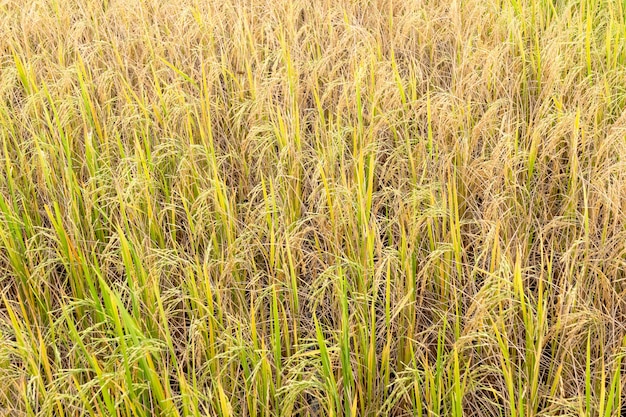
(312, 208)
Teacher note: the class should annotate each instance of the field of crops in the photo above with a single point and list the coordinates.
(312, 208)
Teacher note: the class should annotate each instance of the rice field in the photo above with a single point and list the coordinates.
(312, 208)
